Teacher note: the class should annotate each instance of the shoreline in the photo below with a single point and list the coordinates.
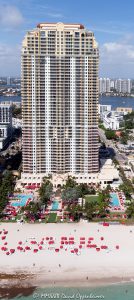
(11, 291)
(36, 281)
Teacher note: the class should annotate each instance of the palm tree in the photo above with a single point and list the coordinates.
(75, 211)
(130, 210)
(90, 210)
(45, 191)
(70, 182)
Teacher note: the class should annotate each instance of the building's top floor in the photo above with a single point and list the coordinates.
(60, 39)
(60, 26)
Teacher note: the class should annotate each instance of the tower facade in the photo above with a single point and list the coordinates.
(59, 82)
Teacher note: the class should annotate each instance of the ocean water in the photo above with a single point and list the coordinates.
(117, 101)
(111, 292)
(114, 101)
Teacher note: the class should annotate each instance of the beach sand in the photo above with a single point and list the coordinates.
(48, 268)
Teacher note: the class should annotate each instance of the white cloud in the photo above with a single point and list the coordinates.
(10, 16)
(120, 51)
(55, 15)
(117, 58)
(9, 59)
(106, 30)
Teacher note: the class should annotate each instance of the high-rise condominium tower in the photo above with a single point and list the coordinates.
(60, 100)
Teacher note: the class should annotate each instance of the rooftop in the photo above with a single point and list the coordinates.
(65, 25)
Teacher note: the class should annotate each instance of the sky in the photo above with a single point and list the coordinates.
(111, 21)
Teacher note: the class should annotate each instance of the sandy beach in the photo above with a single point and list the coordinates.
(63, 268)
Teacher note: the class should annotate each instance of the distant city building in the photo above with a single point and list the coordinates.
(119, 85)
(123, 86)
(104, 85)
(60, 101)
(124, 109)
(5, 123)
(112, 119)
(104, 108)
(8, 81)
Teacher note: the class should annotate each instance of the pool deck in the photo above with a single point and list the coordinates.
(21, 200)
(50, 207)
(121, 200)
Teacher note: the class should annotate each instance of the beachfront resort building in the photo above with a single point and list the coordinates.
(59, 88)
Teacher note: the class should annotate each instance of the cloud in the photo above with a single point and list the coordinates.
(117, 58)
(106, 30)
(55, 15)
(118, 51)
(10, 16)
(9, 59)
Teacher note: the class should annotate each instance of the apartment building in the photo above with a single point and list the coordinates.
(5, 123)
(104, 85)
(59, 73)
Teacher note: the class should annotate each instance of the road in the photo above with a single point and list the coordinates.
(110, 144)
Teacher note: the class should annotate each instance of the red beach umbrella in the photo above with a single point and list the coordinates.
(56, 250)
(3, 248)
(35, 250)
(117, 247)
(27, 248)
(12, 250)
(104, 247)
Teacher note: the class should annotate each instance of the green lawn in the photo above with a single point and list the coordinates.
(52, 218)
(91, 198)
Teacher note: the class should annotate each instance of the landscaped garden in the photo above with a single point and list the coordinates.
(52, 218)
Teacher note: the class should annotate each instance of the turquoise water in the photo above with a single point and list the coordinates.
(55, 205)
(23, 200)
(114, 199)
(112, 292)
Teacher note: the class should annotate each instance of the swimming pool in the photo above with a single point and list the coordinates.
(55, 205)
(114, 200)
(22, 200)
